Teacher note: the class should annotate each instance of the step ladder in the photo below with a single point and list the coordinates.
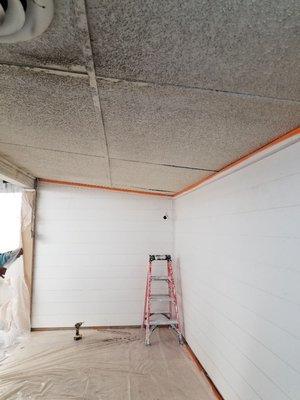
(152, 319)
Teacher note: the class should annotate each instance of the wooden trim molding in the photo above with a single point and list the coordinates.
(194, 358)
(268, 146)
(289, 137)
(15, 175)
(112, 189)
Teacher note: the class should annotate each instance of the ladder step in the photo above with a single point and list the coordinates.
(162, 320)
(161, 297)
(159, 278)
(160, 313)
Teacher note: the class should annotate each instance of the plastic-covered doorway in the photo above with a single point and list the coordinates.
(17, 222)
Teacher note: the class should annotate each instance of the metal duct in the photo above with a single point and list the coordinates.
(22, 20)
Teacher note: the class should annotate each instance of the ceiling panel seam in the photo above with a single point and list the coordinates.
(47, 70)
(165, 165)
(111, 158)
(80, 74)
(82, 21)
(187, 87)
(54, 150)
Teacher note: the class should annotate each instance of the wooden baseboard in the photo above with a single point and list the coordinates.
(202, 369)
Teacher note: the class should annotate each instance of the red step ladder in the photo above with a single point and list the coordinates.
(152, 319)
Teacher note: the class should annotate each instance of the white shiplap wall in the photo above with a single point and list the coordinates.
(92, 249)
(237, 243)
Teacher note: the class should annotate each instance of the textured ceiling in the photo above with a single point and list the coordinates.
(49, 112)
(188, 127)
(240, 46)
(149, 95)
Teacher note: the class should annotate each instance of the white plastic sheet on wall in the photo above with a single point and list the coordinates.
(15, 307)
(15, 294)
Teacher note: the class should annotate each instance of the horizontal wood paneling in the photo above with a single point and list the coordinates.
(237, 244)
(92, 251)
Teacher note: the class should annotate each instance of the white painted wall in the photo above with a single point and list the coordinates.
(237, 244)
(92, 250)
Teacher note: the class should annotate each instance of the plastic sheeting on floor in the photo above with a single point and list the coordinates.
(104, 365)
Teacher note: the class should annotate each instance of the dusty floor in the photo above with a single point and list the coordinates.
(105, 365)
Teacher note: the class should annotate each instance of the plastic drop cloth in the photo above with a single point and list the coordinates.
(15, 306)
(104, 365)
(15, 288)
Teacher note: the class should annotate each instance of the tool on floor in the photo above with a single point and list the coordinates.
(78, 335)
(153, 317)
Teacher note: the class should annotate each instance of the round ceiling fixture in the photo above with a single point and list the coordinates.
(22, 20)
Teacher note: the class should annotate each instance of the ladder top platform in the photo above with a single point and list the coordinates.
(156, 257)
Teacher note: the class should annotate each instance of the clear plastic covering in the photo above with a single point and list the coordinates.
(104, 365)
(15, 307)
(15, 288)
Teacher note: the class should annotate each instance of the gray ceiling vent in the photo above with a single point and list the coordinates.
(22, 20)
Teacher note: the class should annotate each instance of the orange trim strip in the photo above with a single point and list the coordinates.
(189, 188)
(275, 141)
(89, 186)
